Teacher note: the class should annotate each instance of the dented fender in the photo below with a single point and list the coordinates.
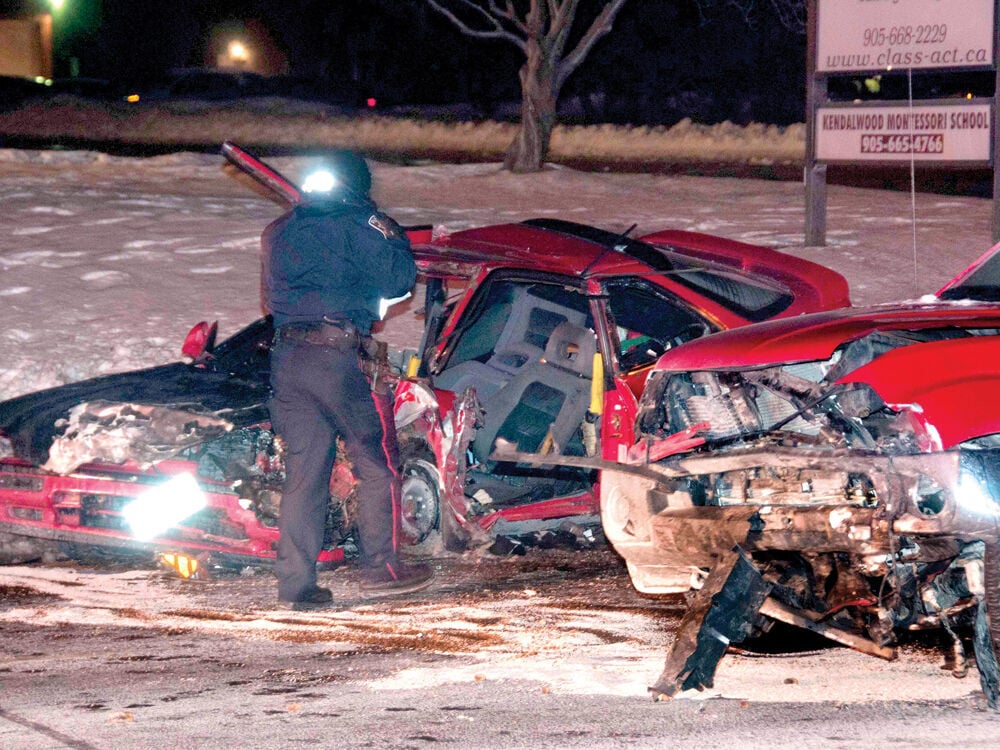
(447, 422)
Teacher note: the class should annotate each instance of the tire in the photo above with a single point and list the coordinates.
(16, 549)
(419, 469)
(419, 500)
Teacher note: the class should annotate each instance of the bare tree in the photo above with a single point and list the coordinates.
(791, 13)
(543, 30)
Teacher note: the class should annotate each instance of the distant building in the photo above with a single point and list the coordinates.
(26, 45)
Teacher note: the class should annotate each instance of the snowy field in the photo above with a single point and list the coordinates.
(106, 262)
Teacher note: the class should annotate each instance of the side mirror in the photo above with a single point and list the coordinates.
(200, 341)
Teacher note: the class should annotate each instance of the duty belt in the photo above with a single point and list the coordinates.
(336, 335)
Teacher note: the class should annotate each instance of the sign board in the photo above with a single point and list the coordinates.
(952, 133)
(869, 35)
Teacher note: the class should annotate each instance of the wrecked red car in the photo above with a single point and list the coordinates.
(537, 334)
(838, 472)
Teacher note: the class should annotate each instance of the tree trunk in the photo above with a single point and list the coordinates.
(530, 147)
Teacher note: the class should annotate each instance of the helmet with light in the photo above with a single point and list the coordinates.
(344, 174)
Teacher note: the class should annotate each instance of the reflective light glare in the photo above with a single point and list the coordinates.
(384, 304)
(974, 497)
(163, 506)
(320, 181)
(184, 565)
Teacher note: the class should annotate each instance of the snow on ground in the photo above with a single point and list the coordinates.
(106, 262)
(546, 636)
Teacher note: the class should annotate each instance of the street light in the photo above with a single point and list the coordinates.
(239, 54)
(58, 32)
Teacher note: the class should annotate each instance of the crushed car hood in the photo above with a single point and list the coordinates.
(33, 421)
(815, 337)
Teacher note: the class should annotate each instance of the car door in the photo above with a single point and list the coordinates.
(638, 322)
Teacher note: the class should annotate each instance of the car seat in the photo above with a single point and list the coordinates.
(528, 322)
(552, 393)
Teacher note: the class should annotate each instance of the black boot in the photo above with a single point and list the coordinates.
(312, 597)
(396, 577)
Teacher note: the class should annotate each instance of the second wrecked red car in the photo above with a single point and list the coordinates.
(538, 335)
(839, 473)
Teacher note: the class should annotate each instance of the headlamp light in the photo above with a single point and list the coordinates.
(320, 181)
(164, 506)
(974, 496)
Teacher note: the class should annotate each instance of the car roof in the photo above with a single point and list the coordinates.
(531, 246)
(677, 257)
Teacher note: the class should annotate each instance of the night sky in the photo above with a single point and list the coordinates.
(665, 59)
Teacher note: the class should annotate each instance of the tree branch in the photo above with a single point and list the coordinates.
(791, 13)
(491, 17)
(601, 26)
(507, 12)
(562, 13)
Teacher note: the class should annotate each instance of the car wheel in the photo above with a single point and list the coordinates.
(419, 499)
(16, 549)
(422, 510)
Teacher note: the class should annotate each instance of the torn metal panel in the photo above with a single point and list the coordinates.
(722, 612)
(778, 611)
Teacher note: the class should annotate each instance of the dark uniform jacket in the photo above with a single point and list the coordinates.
(334, 260)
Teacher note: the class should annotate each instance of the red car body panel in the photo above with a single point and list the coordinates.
(477, 252)
(816, 336)
(955, 382)
(815, 287)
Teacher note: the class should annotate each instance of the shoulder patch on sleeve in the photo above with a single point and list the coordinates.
(385, 226)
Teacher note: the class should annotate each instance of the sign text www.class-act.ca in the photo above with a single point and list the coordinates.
(869, 35)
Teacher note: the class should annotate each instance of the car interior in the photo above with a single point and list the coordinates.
(527, 348)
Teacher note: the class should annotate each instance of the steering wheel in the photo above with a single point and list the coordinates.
(688, 333)
(646, 350)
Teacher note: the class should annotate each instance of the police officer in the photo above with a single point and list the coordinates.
(327, 263)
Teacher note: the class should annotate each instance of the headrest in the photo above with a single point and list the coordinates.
(571, 347)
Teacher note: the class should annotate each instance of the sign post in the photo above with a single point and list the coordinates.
(815, 173)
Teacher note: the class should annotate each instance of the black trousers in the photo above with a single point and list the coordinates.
(318, 393)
